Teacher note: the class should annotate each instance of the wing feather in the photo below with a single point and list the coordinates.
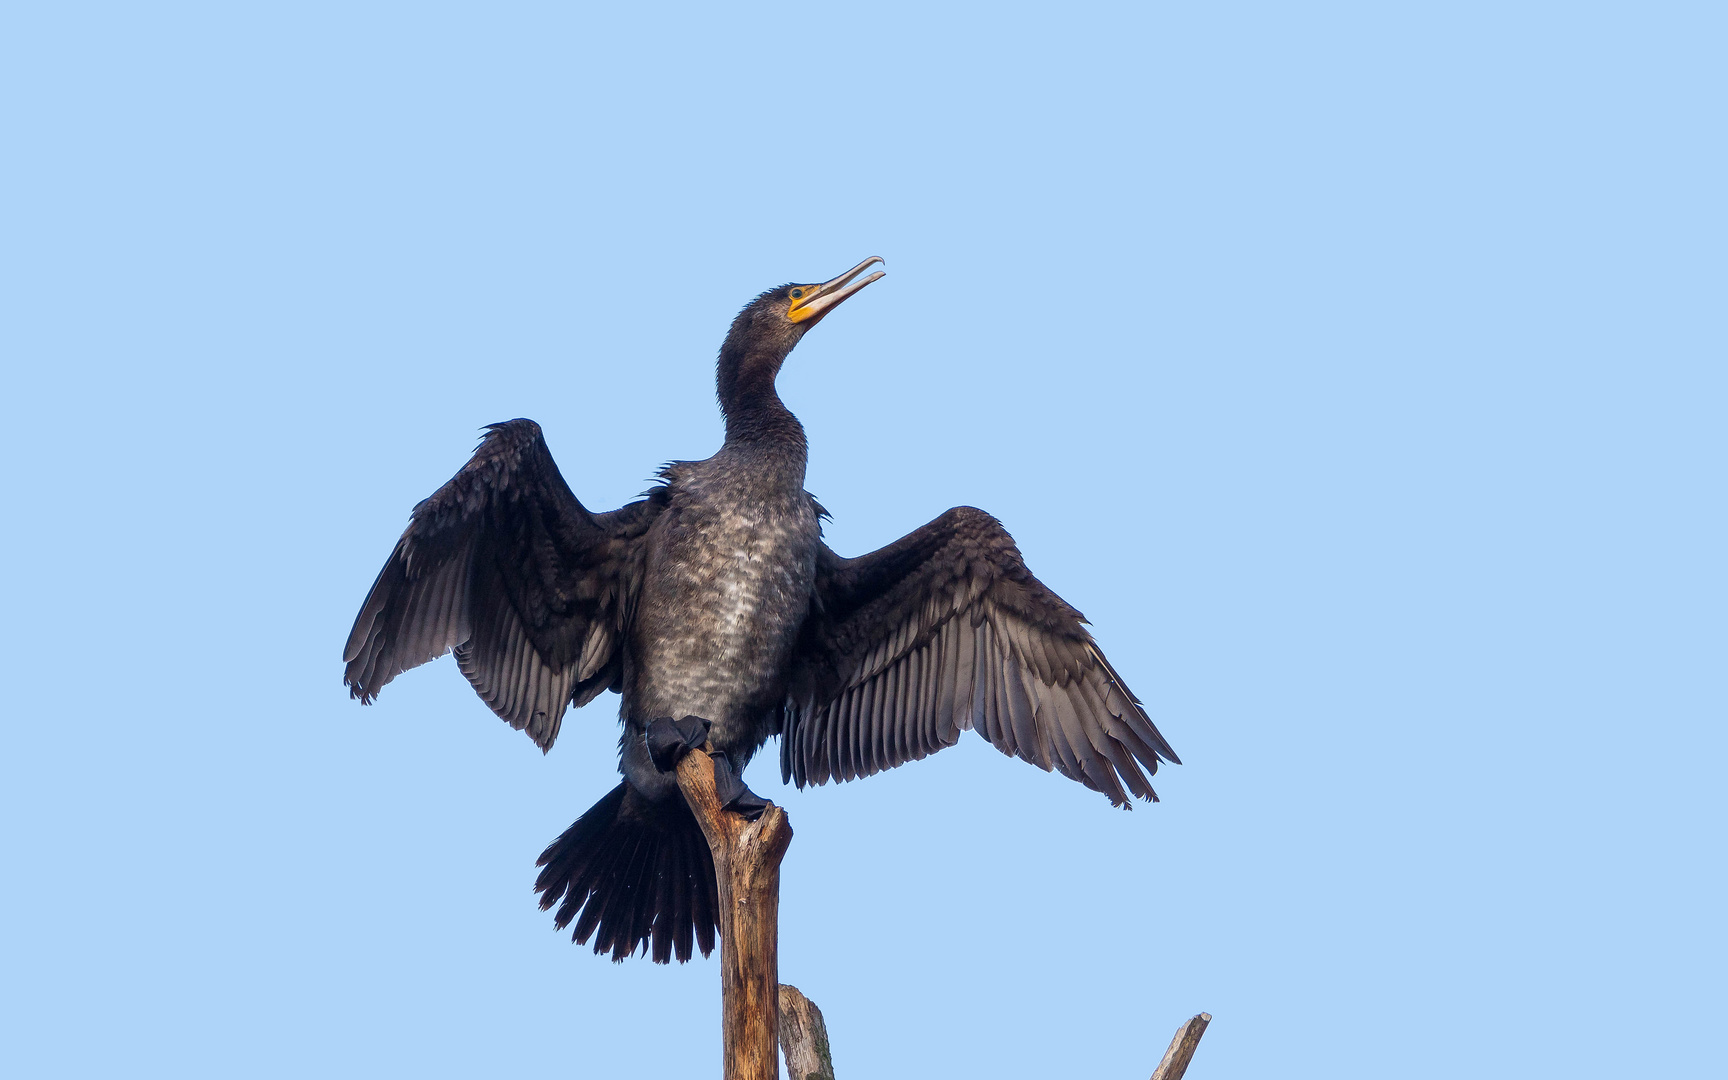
(903, 712)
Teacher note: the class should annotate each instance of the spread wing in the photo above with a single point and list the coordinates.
(506, 567)
(945, 630)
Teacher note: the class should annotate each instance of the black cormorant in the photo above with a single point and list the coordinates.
(714, 597)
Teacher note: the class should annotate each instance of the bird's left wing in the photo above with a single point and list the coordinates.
(945, 630)
(504, 565)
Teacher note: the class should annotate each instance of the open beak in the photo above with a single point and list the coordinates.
(818, 300)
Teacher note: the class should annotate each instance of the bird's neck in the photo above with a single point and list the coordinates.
(752, 406)
(763, 419)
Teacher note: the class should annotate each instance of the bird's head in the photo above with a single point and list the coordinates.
(771, 325)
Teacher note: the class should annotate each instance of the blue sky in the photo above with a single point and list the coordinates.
(1357, 369)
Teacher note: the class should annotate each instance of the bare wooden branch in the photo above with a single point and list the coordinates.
(747, 858)
(1182, 1049)
(804, 1037)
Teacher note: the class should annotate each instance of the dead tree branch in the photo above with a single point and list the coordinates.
(747, 858)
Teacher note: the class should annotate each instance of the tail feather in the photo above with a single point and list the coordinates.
(623, 900)
(632, 874)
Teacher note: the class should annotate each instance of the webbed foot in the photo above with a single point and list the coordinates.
(669, 739)
(733, 795)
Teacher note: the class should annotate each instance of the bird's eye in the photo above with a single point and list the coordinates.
(797, 294)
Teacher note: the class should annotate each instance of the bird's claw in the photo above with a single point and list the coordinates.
(669, 739)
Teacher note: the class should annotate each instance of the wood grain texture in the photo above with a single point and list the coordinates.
(1182, 1049)
(747, 857)
(804, 1037)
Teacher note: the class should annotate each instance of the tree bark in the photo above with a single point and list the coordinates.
(804, 1037)
(1182, 1049)
(747, 858)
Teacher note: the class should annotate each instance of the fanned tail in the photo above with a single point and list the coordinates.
(632, 873)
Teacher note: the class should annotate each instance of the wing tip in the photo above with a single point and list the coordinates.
(357, 689)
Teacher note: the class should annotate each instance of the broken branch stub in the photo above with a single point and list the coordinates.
(1182, 1049)
(804, 1037)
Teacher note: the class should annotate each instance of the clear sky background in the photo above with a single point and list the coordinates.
(1358, 371)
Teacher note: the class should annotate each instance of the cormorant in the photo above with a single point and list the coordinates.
(713, 606)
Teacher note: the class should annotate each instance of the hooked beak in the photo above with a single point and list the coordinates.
(818, 300)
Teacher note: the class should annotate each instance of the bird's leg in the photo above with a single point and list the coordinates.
(669, 739)
(733, 795)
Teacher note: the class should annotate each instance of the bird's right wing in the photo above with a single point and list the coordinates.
(504, 565)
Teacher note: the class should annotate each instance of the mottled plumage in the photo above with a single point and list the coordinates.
(714, 596)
